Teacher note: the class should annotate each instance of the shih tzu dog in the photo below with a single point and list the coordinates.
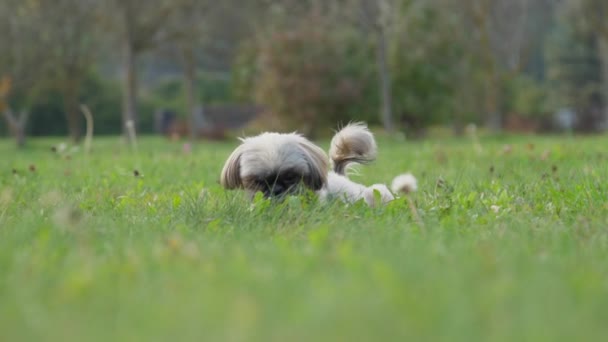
(278, 164)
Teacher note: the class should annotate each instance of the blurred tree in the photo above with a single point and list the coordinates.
(303, 75)
(70, 44)
(21, 67)
(575, 64)
(378, 16)
(424, 56)
(139, 26)
(16, 124)
(190, 19)
(527, 97)
(192, 31)
(501, 36)
(594, 15)
(204, 25)
(100, 94)
(420, 57)
(181, 26)
(169, 93)
(397, 62)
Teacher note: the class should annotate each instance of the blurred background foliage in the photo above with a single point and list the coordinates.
(311, 64)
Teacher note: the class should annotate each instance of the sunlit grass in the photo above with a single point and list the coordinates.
(147, 246)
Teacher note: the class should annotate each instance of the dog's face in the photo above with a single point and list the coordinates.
(275, 164)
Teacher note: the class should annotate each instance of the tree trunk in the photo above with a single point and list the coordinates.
(481, 14)
(385, 81)
(192, 106)
(493, 114)
(129, 111)
(20, 136)
(603, 49)
(457, 126)
(492, 111)
(16, 125)
(70, 105)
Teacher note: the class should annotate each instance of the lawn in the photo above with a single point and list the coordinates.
(125, 245)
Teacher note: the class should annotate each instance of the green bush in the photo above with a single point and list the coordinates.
(169, 93)
(47, 116)
(104, 98)
(318, 75)
(309, 77)
(424, 64)
(527, 97)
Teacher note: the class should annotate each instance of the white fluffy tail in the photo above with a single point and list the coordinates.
(352, 144)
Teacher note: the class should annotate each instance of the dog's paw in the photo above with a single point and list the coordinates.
(377, 194)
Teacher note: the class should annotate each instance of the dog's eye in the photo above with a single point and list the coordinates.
(290, 178)
(261, 182)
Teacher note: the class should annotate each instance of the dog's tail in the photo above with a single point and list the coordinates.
(352, 144)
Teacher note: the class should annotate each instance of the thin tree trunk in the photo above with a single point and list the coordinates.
(457, 126)
(494, 119)
(603, 48)
(491, 103)
(70, 104)
(129, 112)
(385, 81)
(20, 136)
(189, 66)
(16, 125)
(493, 114)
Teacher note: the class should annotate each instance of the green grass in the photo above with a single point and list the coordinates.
(90, 252)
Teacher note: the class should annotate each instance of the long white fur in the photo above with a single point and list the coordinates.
(340, 187)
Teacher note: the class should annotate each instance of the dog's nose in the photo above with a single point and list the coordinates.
(277, 189)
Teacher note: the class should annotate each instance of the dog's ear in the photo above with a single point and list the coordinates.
(318, 163)
(231, 173)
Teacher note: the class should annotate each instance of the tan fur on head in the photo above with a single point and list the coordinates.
(271, 160)
(231, 173)
(319, 166)
(352, 144)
